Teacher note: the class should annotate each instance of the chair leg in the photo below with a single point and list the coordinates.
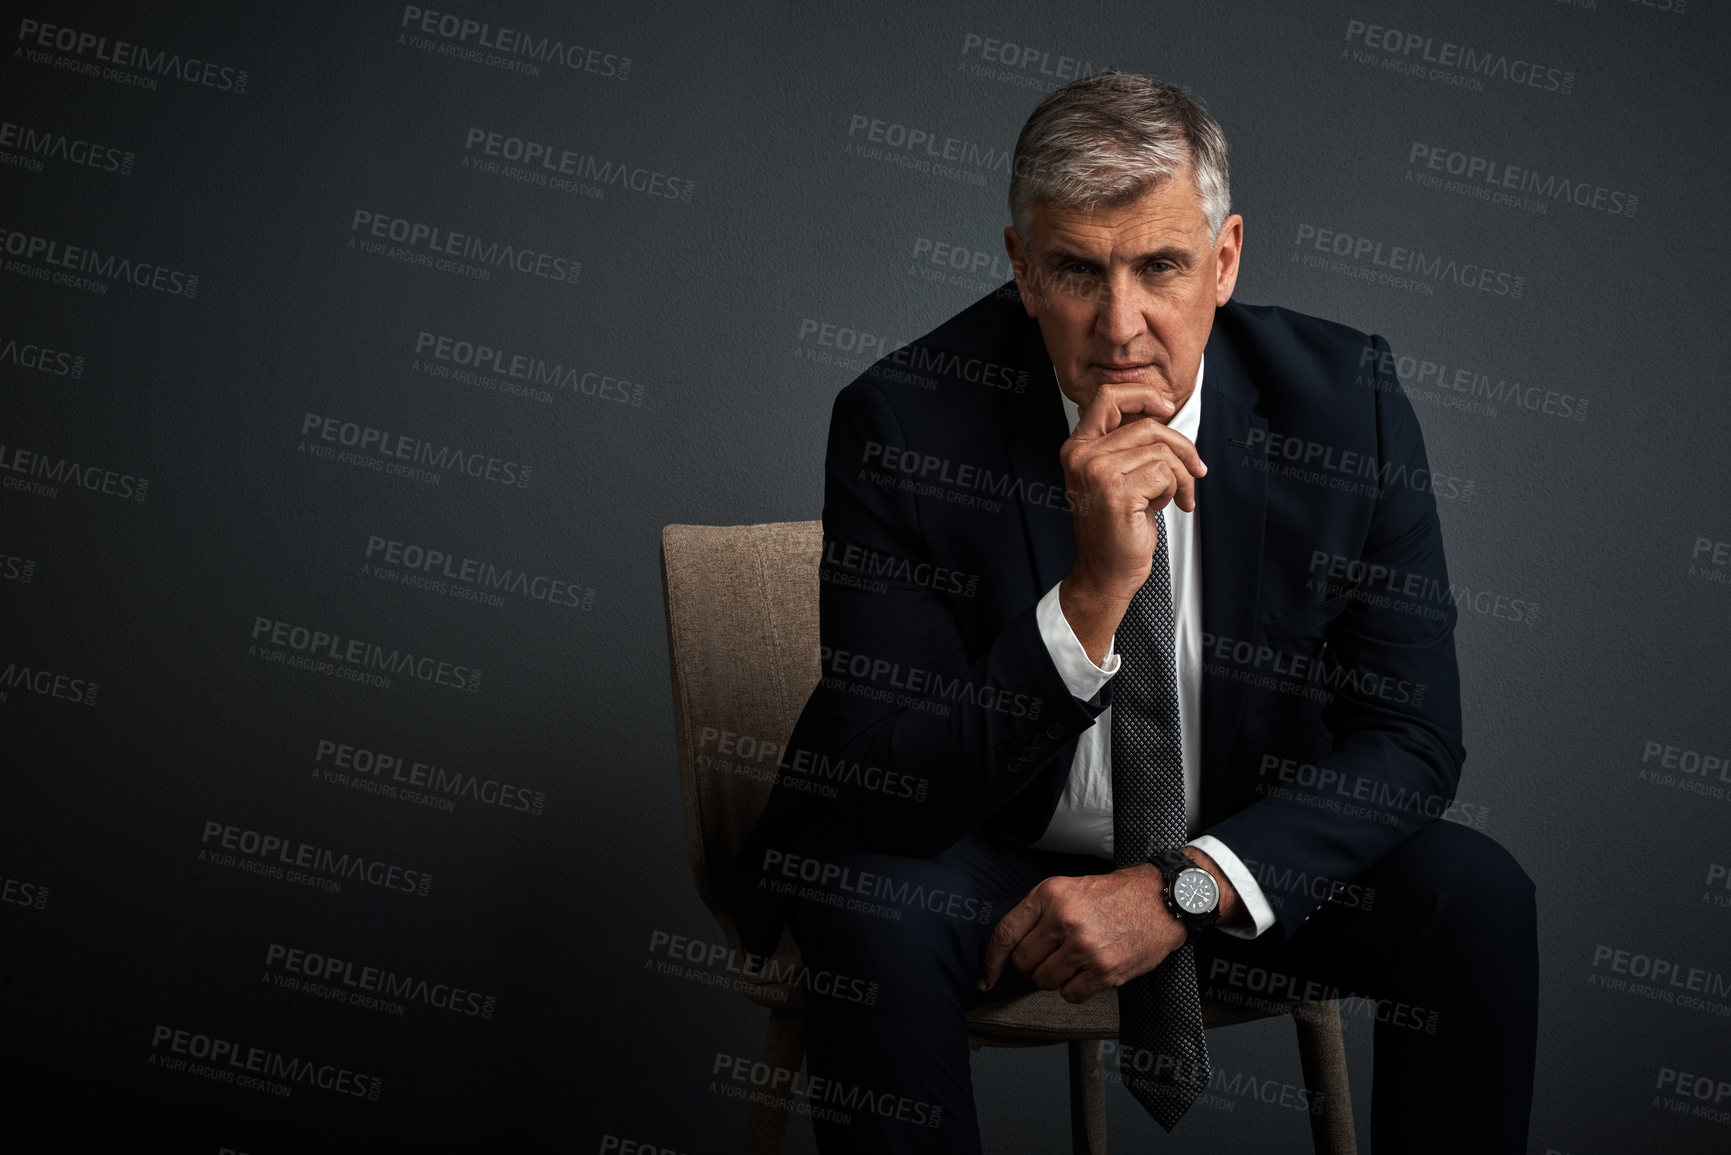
(1322, 1051)
(784, 1047)
(1087, 1097)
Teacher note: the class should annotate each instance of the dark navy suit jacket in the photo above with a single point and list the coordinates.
(1330, 700)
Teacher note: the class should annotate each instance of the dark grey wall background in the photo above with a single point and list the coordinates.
(158, 504)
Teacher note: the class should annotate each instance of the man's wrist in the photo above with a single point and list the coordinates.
(1093, 616)
(1083, 677)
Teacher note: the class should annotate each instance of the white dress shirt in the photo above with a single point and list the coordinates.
(1082, 823)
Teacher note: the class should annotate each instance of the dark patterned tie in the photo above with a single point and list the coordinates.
(1162, 1054)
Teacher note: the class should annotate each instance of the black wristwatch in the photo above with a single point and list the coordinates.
(1190, 892)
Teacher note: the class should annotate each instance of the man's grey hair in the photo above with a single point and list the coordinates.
(1105, 140)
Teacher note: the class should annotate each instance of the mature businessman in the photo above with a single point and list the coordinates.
(1138, 673)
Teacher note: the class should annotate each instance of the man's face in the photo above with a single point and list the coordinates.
(1127, 294)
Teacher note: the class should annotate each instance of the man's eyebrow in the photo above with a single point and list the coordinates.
(1063, 256)
(1175, 254)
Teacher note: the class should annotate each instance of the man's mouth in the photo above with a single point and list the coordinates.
(1117, 372)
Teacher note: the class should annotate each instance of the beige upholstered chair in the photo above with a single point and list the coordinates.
(742, 640)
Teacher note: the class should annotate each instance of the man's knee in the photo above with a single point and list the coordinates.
(1472, 879)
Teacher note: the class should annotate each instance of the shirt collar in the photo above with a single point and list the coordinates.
(1187, 421)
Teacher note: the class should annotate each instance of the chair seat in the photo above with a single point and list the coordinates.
(1045, 1017)
(1036, 1017)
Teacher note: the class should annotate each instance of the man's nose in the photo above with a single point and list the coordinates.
(1118, 315)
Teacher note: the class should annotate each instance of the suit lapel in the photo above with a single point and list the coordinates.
(1231, 504)
(1034, 428)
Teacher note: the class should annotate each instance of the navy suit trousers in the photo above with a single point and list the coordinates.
(1436, 944)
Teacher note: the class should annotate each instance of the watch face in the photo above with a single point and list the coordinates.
(1195, 891)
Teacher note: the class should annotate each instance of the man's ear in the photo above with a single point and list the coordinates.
(1228, 248)
(1019, 262)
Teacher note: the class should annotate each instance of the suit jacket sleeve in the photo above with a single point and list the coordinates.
(1389, 662)
(946, 726)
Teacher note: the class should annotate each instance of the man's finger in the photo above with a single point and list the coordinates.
(1058, 968)
(1143, 431)
(1162, 483)
(1115, 403)
(1139, 463)
(1185, 497)
(1006, 936)
(1083, 985)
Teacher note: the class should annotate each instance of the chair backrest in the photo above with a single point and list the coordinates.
(742, 643)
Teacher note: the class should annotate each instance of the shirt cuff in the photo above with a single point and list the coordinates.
(1078, 670)
(1249, 893)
